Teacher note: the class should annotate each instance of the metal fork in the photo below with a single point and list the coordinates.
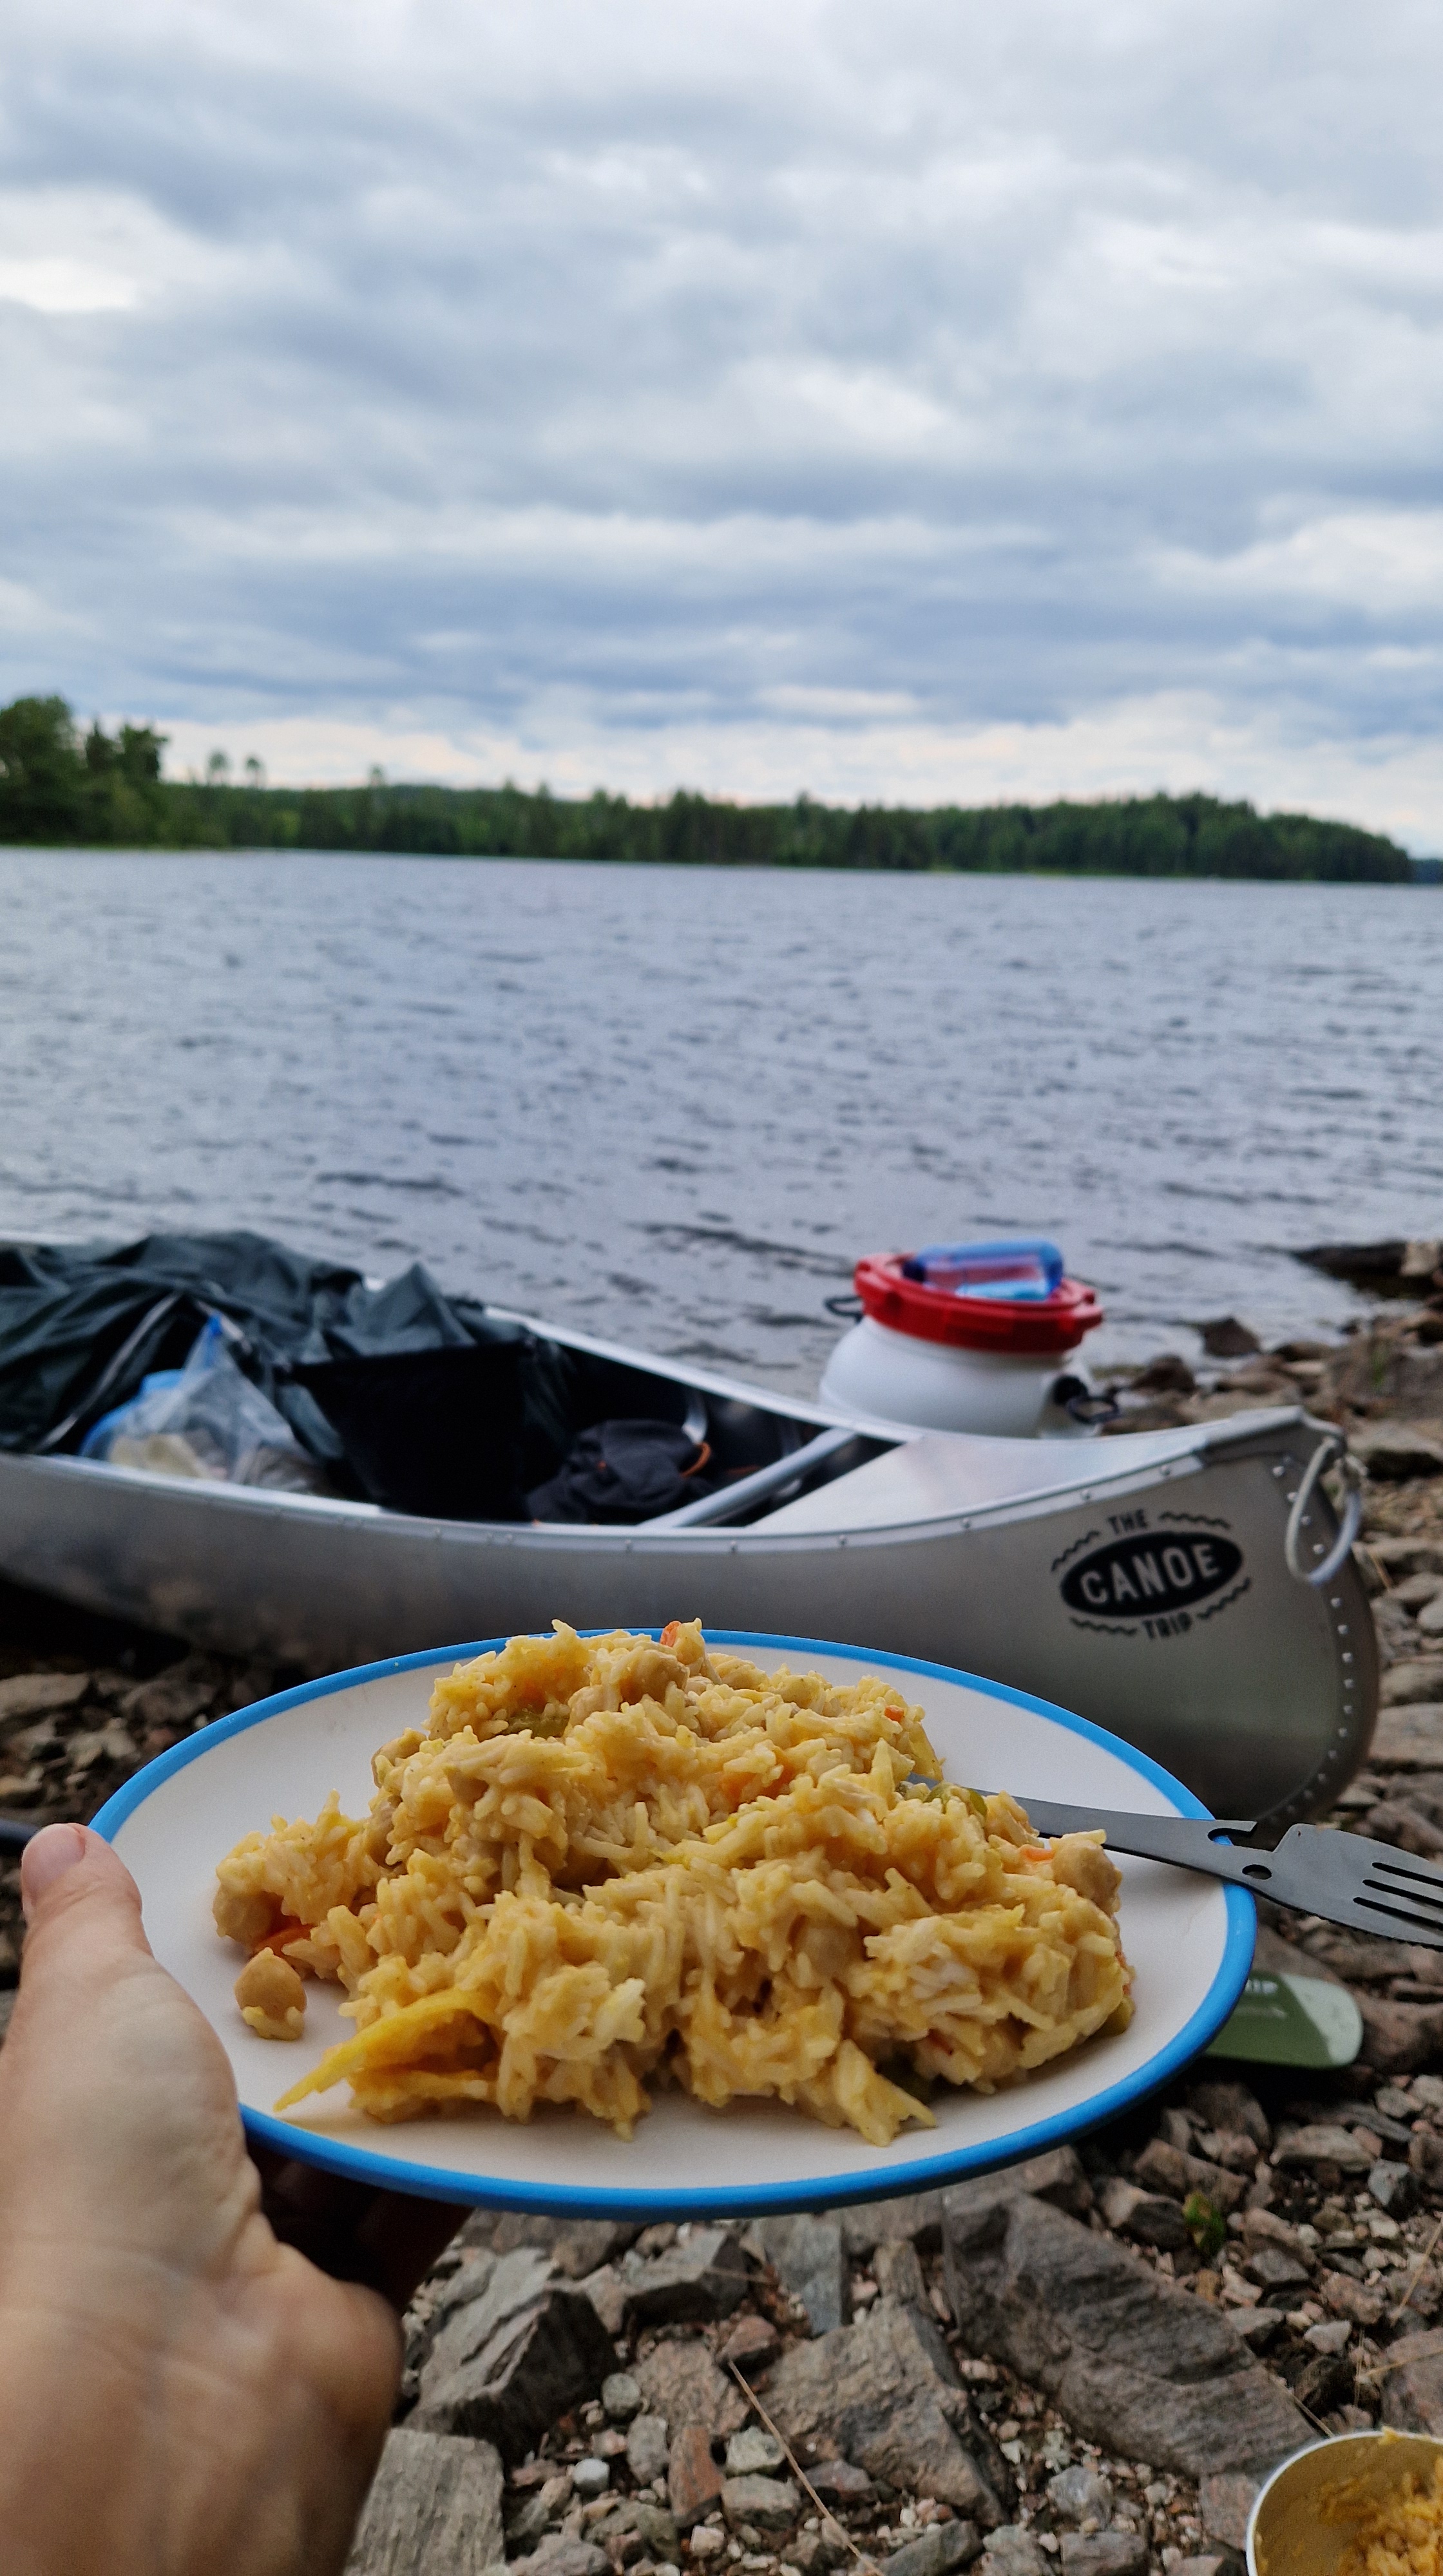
(1342, 1877)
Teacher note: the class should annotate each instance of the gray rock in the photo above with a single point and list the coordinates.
(1425, 2158)
(1104, 2553)
(1080, 2495)
(526, 2529)
(621, 2397)
(1394, 2189)
(752, 2346)
(1418, 1684)
(576, 2245)
(695, 2282)
(506, 2364)
(607, 2292)
(1146, 2215)
(1212, 2564)
(813, 2553)
(1394, 1451)
(434, 2506)
(560, 2555)
(1275, 2269)
(591, 2478)
(647, 2448)
(1011, 2551)
(810, 2259)
(898, 2274)
(1413, 2389)
(1264, 2227)
(1225, 2500)
(751, 2453)
(1132, 2362)
(1167, 2169)
(1234, 2109)
(841, 2482)
(176, 1697)
(682, 2382)
(40, 1694)
(886, 2390)
(772, 2504)
(1399, 2037)
(1322, 2142)
(916, 2218)
(654, 2526)
(459, 2289)
(1408, 1738)
(936, 2551)
(1057, 2178)
(1256, 2326)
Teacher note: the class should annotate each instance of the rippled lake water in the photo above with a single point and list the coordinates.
(673, 1105)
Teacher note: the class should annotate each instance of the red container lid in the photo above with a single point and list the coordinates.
(1038, 1327)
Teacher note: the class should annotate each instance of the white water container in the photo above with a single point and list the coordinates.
(967, 1337)
(937, 1387)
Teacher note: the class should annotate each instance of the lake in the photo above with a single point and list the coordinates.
(674, 1105)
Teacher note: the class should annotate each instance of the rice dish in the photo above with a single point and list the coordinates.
(611, 1863)
(1395, 2535)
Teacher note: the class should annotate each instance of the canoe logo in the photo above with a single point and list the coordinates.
(1154, 1578)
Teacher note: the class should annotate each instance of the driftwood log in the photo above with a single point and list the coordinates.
(434, 2508)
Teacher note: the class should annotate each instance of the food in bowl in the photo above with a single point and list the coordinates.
(1399, 2534)
(611, 1863)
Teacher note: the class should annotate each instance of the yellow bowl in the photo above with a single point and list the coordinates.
(1287, 2535)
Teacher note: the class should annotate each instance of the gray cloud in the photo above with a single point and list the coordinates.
(548, 376)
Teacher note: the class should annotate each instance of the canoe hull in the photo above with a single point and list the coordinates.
(1150, 1597)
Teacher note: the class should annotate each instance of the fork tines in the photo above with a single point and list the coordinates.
(1407, 1892)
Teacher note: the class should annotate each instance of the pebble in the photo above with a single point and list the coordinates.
(751, 2346)
(1394, 2188)
(621, 2397)
(773, 2504)
(1104, 2553)
(754, 2453)
(838, 2482)
(647, 2448)
(1012, 2551)
(1331, 2336)
(591, 2478)
(1079, 2495)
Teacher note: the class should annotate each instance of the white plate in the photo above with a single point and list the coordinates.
(1190, 1941)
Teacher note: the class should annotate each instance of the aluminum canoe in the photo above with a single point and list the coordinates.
(1140, 1580)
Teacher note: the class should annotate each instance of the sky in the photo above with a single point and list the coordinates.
(900, 399)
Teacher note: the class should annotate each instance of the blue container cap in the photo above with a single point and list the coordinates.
(1018, 1268)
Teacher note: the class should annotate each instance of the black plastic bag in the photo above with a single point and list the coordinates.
(624, 1472)
(434, 1432)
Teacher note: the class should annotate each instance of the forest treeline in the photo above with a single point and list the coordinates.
(62, 786)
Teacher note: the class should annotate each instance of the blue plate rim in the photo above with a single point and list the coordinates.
(882, 2182)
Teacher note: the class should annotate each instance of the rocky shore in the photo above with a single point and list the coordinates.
(1085, 2364)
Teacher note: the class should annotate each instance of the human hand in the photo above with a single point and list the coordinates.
(181, 2393)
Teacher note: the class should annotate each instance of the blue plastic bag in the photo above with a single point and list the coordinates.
(205, 1420)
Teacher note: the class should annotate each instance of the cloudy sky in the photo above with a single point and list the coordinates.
(887, 398)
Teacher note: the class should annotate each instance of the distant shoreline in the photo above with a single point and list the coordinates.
(60, 789)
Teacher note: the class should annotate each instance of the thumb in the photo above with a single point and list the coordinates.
(72, 1882)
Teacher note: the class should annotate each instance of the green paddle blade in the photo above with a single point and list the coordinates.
(1291, 2021)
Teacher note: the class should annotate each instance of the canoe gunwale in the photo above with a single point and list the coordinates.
(317, 1584)
(1197, 1445)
